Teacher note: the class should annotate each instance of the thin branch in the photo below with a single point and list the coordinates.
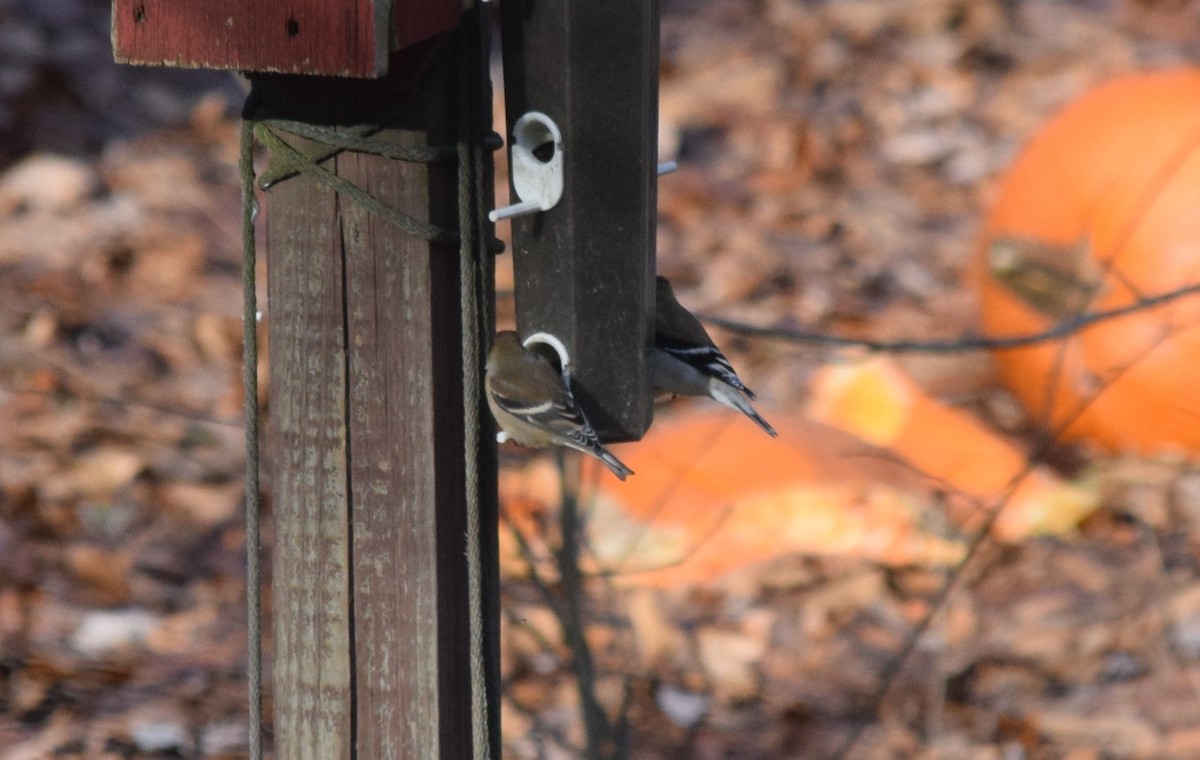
(126, 403)
(977, 541)
(966, 343)
(571, 618)
(535, 576)
(540, 725)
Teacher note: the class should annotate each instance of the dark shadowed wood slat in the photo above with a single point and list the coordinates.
(393, 353)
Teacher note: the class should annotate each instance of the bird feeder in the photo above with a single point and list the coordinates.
(581, 94)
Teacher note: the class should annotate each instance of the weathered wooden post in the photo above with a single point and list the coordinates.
(372, 642)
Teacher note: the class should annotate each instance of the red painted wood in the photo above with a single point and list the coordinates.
(329, 37)
(416, 20)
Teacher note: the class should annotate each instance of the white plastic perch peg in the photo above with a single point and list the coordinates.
(536, 164)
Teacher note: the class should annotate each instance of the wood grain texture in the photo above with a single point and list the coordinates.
(388, 587)
(326, 37)
(308, 452)
(400, 436)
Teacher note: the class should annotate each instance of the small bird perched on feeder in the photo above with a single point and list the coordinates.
(533, 405)
(686, 362)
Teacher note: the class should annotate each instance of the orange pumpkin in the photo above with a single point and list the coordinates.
(1102, 208)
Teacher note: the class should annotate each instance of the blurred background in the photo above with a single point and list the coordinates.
(752, 599)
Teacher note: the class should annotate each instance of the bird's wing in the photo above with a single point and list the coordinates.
(678, 326)
(707, 359)
(541, 399)
(679, 333)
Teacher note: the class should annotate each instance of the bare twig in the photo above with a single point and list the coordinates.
(596, 724)
(126, 403)
(540, 726)
(954, 345)
(977, 541)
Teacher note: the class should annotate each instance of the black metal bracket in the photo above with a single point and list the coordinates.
(585, 266)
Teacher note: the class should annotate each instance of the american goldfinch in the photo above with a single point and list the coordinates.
(686, 362)
(533, 405)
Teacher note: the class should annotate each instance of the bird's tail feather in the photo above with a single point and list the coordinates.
(733, 399)
(616, 465)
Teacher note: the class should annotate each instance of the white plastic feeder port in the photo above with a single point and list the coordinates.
(536, 165)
